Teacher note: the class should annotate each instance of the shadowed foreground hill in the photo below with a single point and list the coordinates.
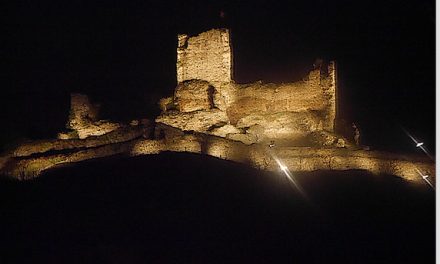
(176, 207)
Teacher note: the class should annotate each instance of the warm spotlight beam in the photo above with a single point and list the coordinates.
(418, 144)
(425, 178)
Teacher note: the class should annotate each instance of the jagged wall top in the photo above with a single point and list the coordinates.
(207, 100)
(207, 56)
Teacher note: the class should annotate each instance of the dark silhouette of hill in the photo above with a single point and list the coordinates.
(181, 208)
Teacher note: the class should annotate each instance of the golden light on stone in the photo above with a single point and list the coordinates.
(212, 115)
(256, 111)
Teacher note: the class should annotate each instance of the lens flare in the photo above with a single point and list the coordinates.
(288, 175)
(283, 168)
(425, 178)
(419, 144)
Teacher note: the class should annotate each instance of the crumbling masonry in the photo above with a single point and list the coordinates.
(212, 115)
(207, 99)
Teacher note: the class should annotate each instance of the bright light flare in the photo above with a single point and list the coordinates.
(419, 145)
(289, 175)
(425, 178)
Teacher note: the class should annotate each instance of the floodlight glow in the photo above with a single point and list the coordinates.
(418, 145)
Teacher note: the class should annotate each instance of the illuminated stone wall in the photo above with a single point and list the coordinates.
(206, 57)
(207, 99)
(194, 95)
(290, 110)
(83, 119)
(23, 164)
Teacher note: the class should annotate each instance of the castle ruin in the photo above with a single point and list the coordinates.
(210, 114)
(207, 99)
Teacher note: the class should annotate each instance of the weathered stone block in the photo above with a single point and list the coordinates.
(194, 95)
(282, 125)
(206, 56)
(225, 130)
(201, 121)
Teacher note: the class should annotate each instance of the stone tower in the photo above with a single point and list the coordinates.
(207, 56)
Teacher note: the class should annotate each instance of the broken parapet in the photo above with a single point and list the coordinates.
(83, 119)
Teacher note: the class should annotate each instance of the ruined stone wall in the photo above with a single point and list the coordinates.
(287, 110)
(194, 95)
(207, 100)
(206, 57)
(83, 119)
(82, 111)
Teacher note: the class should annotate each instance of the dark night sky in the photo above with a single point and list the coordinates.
(122, 53)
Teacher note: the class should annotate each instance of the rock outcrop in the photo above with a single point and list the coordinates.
(117, 136)
(30, 159)
(260, 156)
